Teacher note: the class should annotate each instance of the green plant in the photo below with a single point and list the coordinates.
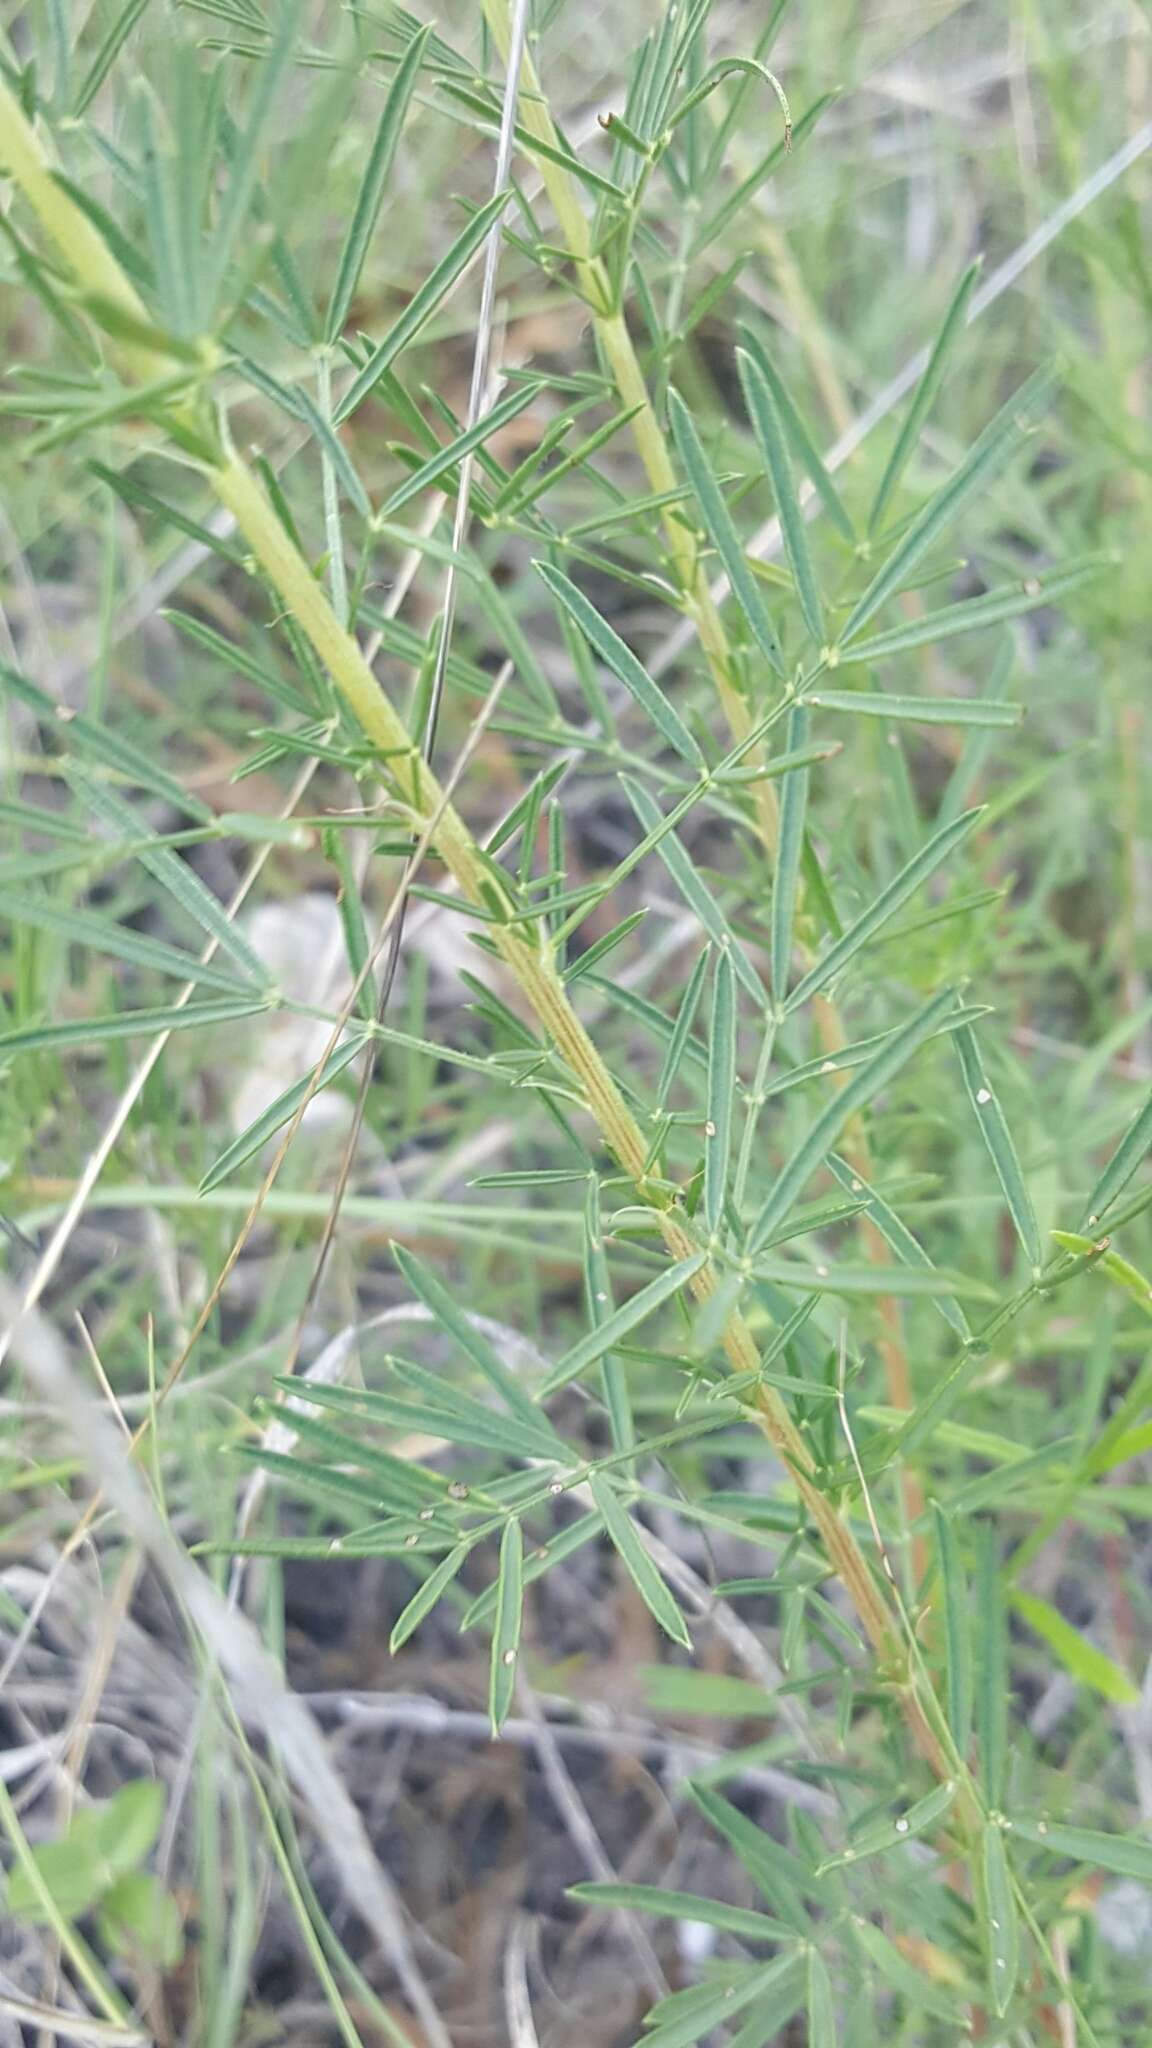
(725, 1147)
(95, 1871)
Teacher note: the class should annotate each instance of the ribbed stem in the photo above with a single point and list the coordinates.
(699, 605)
(529, 960)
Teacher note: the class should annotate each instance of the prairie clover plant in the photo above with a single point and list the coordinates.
(785, 1148)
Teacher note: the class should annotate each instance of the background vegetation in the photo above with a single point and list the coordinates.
(694, 1171)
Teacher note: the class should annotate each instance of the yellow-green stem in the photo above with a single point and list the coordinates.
(701, 608)
(528, 959)
(632, 389)
(536, 975)
(88, 256)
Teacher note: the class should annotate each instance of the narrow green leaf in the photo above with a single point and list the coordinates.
(131, 1024)
(454, 1417)
(769, 431)
(779, 766)
(860, 1050)
(319, 1548)
(182, 883)
(789, 854)
(803, 446)
(459, 1326)
(998, 1139)
(722, 532)
(402, 1486)
(300, 405)
(920, 710)
(565, 1543)
(669, 1905)
(879, 1837)
(116, 35)
(694, 890)
(1010, 1485)
(598, 1302)
(506, 1629)
(921, 1994)
(599, 948)
(643, 1573)
(891, 899)
(622, 662)
(173, 263)
(1133, 1148)
(925, 394)
(139, 499)
(1126, 1855)
(87, 737)
(992, 1675)
(698, 2011)
(1131, 1443)
(278, 1113)
(680, 1043)
(488, 120)
(816, 1145)
(53, 825)
(314, 1482)
(653, 82)
(529, 1177)
(353, 924)
(105, 935)
(238, 658)
(957, 1630)
(694, 2013)
(841, 1278)
(780, 1875)
(821, 2010)
(423, 303)
(994, 449)
(897, 1234)
(237, 202)
(738, 200)
(1088, 1665)
(1126, 1275)
(653, 1020)
(627, 1317)
(514, 502)
(721, 1092)
(992, 609)
(1003, 1932)
(373, 183)
(427, 1596)
(679, 1689)
(726, 67)
(523, 815)
(453, 452)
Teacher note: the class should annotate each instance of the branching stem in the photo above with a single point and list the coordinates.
(529, 960)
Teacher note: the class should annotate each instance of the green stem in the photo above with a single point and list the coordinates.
(619, 352)
(530, 961)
